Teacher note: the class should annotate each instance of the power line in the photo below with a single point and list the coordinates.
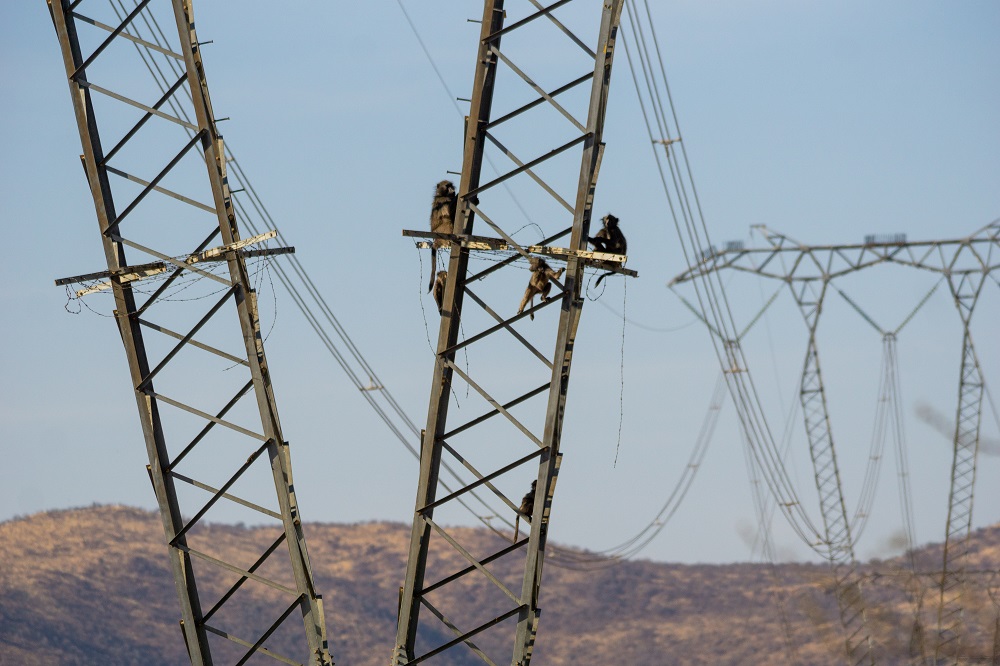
(308, 299)
(627, 548)
(353, 362)
(685, 211)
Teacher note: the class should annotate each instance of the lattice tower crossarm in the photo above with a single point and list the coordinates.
(966, 263)
(520, 606)
(166, 460)
(786, 258)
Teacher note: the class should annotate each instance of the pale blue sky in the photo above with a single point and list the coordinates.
(827, 121)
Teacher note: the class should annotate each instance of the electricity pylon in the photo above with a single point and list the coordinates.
(492, 578)
(966, 263)
(812, 394)
(809, 293)
(152, 198)
(965, 289)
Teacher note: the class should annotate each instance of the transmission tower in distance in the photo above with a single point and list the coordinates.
(502, 452)
(966, 264)
(153, 199)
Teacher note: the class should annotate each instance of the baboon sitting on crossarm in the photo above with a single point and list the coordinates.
(609, 239)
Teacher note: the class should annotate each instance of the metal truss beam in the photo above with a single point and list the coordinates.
(966, 263)
(252, 437)
(433, 548)
(788, 259)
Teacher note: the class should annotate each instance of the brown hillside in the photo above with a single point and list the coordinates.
(92, 586)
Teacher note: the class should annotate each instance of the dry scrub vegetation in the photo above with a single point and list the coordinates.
(93, 586)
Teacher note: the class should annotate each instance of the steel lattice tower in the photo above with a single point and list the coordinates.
(493, 577)
(809, 297)
(965, 289)
(809, 292)
(153, 199)
(966, 264)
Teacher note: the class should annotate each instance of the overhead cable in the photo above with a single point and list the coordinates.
(353, 363)
(688, 219)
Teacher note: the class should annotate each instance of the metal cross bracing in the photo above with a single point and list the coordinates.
(812, 395)
(839, 546)
(206, 404)
(965, 289)
(966, 263)
(500, 447)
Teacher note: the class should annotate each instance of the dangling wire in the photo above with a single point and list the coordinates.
(541, 233)
(465, 353)
(590, 281)
(70, 297)
(621, 376)
(145, 285)
(610, 557)
(420, 299)
(427, 333)
(264, 270)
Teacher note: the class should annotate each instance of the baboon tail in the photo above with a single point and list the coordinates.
(603, 275)
(517, 521)
(430, 285)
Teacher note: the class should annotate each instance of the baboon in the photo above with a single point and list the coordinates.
(609, 239)
(527, 507)
(539, 283)
(442, 219)
(439, 285)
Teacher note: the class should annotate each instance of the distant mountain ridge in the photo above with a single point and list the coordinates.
(93, 586)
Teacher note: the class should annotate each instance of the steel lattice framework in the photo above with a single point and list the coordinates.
(153, 199)
(809, 297)
(493, 577)
(809, 293)
(965, 289)
(966, 263)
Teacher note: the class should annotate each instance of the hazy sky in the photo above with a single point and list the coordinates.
(827, 121)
